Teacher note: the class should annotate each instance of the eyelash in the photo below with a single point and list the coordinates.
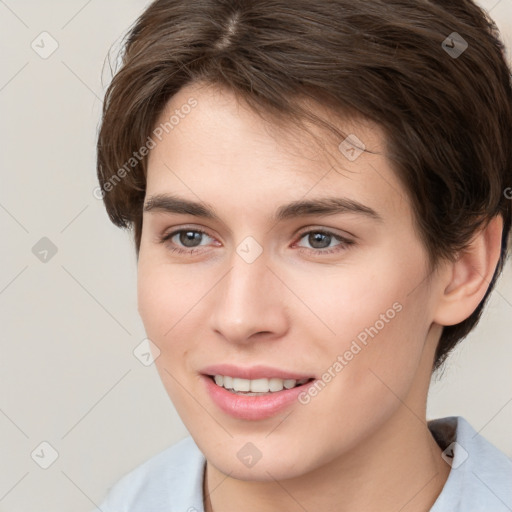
(343, 245)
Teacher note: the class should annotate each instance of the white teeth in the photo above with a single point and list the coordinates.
(289, 383)
(241, 384)
(264, 385)
(275, 384)
(259, 385)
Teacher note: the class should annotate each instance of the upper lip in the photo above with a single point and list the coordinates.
(253, 372)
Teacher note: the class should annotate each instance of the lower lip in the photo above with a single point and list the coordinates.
(253, 407)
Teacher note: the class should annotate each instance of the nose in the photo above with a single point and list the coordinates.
(250, 303)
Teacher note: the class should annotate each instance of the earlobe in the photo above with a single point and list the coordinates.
(468, 278)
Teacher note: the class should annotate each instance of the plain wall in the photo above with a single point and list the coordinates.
(70, 324)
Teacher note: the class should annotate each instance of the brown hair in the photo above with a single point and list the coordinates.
(447, 117)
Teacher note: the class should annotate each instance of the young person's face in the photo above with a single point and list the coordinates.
(356, 316)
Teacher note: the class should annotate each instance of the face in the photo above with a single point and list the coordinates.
(247, 287)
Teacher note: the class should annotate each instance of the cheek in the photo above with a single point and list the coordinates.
(351, 304)
(380, 359)
(153, 299)
(369, 368)
(158, 306)
(379, 323)
(163, 301)
(172, 300)
(164, 294)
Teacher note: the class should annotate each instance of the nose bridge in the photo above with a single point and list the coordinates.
(248, 299)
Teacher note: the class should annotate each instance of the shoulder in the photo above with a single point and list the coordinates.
(481, 454)
(172, 477)
(480, 478)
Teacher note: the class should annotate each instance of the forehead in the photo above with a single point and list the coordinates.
(221, 145)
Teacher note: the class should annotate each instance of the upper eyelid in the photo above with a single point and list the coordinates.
(167, 236)
(342, 239)
(173, 232)
(328, 231)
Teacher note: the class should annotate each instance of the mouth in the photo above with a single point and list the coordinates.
(257, 387)
(254, 393)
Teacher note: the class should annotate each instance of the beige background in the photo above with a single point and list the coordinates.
(70, 325)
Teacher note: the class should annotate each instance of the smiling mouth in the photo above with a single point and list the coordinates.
(256, 387)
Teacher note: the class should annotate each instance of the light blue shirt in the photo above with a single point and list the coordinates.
(480, 478)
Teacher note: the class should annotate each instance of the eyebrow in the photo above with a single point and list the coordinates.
(301, 208)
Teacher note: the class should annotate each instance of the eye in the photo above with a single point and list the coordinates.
(185, 240)
(320, 241)
(188, 241)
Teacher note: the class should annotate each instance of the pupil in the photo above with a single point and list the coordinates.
(189, 236)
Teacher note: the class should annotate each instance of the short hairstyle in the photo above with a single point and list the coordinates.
(432, 74)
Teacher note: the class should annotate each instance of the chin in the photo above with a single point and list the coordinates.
(254, 458)
(268, 470)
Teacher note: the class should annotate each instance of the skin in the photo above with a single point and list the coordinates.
(362, 443)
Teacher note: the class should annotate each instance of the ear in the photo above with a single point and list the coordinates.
(466, 280)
